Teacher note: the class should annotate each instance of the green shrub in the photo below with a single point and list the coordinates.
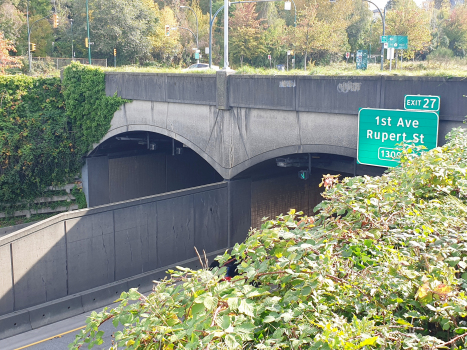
(46, 128)
(382, 265)
(440, 54)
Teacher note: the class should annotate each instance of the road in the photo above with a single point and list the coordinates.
(57, 336)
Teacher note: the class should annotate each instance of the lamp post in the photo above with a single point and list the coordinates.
(383, 18)
(197, 32)
(294, 23)
(29, 36)
(29, 42)
(226, 27)
(72, 51)
(89, 41)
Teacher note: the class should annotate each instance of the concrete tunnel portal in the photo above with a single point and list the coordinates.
(136, 164)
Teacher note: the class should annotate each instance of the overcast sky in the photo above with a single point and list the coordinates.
(381, 3)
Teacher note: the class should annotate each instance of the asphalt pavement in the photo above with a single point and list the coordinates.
(57, 336)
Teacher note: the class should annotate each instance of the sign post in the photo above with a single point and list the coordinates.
(381, 130)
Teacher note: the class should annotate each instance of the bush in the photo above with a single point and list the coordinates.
(440, 54)
(382, 265)
(46, 127)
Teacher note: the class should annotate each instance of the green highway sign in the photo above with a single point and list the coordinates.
(380, 130)
(399, 42)
(420, 102)
(362, 59)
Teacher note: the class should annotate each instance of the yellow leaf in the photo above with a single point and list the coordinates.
(369, 341)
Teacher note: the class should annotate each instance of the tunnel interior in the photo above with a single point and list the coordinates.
(138, 164)
(276, 186)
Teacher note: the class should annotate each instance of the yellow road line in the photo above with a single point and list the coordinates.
(55, 336)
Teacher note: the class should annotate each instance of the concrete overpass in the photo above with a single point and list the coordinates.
(200, 150)
(235, 122)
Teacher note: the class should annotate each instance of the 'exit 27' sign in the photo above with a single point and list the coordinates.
(422, 103)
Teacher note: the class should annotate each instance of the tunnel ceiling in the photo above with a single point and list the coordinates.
(269, 168)
(135, 142)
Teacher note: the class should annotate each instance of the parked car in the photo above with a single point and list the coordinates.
(200, 66)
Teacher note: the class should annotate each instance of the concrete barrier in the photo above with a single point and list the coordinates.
(77, 261)
(321, 94)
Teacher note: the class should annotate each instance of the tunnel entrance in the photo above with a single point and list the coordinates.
(275, 189)
(138, 164)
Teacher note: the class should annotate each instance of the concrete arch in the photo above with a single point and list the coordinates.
(232, 141)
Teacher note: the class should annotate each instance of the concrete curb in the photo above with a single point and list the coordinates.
(72, 305)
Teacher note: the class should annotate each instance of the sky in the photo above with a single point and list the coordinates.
(381, 3)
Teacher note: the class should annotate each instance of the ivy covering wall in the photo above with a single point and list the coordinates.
(47, 126)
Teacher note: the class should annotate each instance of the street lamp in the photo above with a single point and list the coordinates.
(89, 41)
(71, 20)
(197, 32)
(287, 7)
(29, 33)
(226, 5)
(383, 18)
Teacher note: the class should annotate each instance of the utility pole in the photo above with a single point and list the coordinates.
(89, 41)
(197, 32)
(72, 50)
(226, 34)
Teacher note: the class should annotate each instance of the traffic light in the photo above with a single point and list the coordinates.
(33, 47)
(303, 174)
(115, 52)
(167, 30)
(86, 42)
(55, 20)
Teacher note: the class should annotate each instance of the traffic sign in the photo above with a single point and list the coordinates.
(421, 102)
(384, 39)
(381, 130)
(399, 42)
(347, 54)
(362, 59)
(269, 57)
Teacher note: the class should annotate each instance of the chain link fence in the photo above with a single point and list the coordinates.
(63, 62)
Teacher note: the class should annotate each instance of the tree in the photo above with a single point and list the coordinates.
(163, 47)
(319, 32)
(11, 21)
(245, 33)
(408, 19)
(359, 24)
(122, 24)
(456, 30)
(7, 61)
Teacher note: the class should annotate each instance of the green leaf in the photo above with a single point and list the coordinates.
(247, 307)
(197, 309)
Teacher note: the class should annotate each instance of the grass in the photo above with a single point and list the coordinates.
(435, 68)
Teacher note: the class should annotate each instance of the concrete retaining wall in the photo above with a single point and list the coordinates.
(62, 265)
(320, 94)
(181, 88)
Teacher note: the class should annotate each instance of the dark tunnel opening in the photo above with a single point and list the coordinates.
(138, 164)
(276, 186)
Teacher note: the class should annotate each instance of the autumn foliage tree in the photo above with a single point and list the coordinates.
(316, 33)
(456, 30)
(406, 18)
(7, 61)
(246, 32)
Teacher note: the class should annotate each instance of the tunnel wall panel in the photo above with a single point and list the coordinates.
(74, 252)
